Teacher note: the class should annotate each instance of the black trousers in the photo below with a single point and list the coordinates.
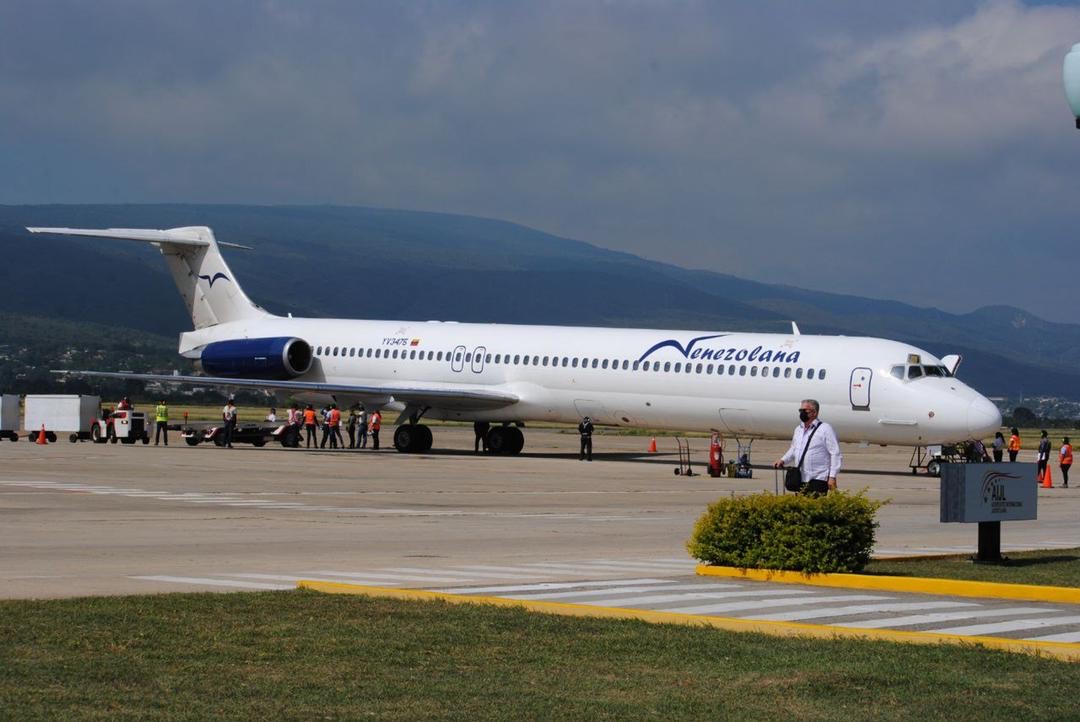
(815, 487)
(229, 426)
(998, 453)
(162, 430)
(1012, 455)
(1040, 468)
(352, 437)
(1065, 474)
(335, 437)
(374, 438)
(586, 448)
(310, 429)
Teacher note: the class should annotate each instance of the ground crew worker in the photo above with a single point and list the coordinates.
(1014, 444)
(334, 420)
(309, 426)
(228, 415)
(376, 424)
(480, 431)
(585, 429)
(161, 420)
(350, 427)
(1065, 456)
(1044, 455)
(362, 428)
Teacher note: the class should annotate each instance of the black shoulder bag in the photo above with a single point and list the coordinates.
(793, 480)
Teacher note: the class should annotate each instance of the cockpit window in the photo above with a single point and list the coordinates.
(932, 371)
(914, 372)
(897, 371)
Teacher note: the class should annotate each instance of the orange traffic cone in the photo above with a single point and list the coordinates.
(652, 446)
(41, 436)
(1046, 481)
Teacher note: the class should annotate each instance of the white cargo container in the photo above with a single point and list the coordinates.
(9, 417)
(67, 413)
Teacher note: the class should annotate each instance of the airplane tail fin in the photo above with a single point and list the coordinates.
(198, 268)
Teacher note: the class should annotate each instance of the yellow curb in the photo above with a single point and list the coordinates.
(919, 585)
(1058, 650)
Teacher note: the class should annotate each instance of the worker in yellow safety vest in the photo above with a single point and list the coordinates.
(161, 419)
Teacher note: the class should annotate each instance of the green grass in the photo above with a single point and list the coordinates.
(303, 655)
(1056, 568)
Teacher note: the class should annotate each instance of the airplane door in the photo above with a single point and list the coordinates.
(859, 391)
(457, 359)
(478, 359)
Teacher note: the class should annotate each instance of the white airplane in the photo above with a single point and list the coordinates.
(871, 390)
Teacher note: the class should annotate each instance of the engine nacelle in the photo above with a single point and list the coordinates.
(1071, 77)
(257, 358)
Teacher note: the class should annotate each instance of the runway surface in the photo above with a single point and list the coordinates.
(85, 519)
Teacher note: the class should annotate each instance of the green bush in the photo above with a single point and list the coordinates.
(832, 533)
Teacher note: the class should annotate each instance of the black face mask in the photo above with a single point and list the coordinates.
(804, 415)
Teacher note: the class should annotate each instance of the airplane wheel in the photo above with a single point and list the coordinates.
(405, 438)
(498, 440)
(192, 441)
(32, 436)
(423, 439)
(516, 440)
(73, 438)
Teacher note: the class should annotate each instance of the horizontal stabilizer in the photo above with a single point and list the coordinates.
(188, 236)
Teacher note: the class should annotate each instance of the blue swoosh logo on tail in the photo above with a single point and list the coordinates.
(216, 276)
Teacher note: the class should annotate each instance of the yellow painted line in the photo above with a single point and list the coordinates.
(1059, 650)
(919, 585)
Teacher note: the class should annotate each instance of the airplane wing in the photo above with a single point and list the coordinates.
(444, 396)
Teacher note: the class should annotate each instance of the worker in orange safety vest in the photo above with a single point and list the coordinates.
(1066, 461)
(1014, 444)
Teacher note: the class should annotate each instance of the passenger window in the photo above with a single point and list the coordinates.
(897, 372)
(821, 374)
(689, 368)
(604, 364)
(753, 370)
(700, 366)
(595, 363)
(625, 364)
(546, 360)
(524, 360)
(776, 372)
(798, 373)
(914, 372)
(708, 369)
(517, 359)
(396, 353)
(412, 355)
(787, 373)
(678, 368)
(368, 354)
(731, 370)
(457, 356)
(430, 355)
(438, 356)
(667, 366)
(637, 365)
(809, 373)
(645, 365)
(573, 362)
(742, 371)
(487, 359)
(719, 369)
(764, 370)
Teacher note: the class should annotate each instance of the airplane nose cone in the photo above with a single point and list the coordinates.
(983, 418)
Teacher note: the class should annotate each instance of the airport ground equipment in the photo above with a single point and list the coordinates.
(9, 417)
(716, 454)
(288, 435)
(246, 434)
(124, 425)
(743, 470)
(61, 413)
(683, 469)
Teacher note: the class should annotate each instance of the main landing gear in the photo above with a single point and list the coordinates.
(412, 438)
(505, 440)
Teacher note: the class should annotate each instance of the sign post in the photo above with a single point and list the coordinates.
(988, 494)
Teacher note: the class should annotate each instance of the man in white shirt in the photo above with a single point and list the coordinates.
(822, 462)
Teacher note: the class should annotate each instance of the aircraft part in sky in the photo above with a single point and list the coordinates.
(1071, 73)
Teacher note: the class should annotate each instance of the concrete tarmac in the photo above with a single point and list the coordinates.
(85, 519)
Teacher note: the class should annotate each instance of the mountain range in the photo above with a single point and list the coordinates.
(358, 262)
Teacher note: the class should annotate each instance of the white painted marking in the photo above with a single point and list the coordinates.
(1067, 637)
(1013, 626)
(693, 596)
(943, 617)
(762, 603)
(213, 582)
(551, 585)
(453, 573)
(622, 590)
(854, 609)
(433, 578)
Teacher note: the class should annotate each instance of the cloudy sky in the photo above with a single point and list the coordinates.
(921, 151)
